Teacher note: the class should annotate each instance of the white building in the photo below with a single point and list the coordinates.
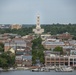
(38, 29)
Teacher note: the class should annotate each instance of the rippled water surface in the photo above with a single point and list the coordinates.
(37, 73)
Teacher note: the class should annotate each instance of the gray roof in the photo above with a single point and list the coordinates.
(54, 43)
(29, 57)
(18, 57)
(15, 44)
(20, 41)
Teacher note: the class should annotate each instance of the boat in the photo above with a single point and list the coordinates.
(63, 69)
(68, 69)
(50, 67)
(35, 70)
(42, 69)
(1, 69)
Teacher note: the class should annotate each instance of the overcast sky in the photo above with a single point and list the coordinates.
(25, 11)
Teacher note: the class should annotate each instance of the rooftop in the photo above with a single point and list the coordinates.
(54, 43)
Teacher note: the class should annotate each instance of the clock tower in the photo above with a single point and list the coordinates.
(38, 29)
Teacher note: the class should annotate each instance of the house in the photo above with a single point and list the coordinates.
(18, 61)
(23, 60)
(23, 51)
(16, 42)
(27, 60)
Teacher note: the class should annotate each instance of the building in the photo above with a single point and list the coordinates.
(16, 26)
(27, 60)
(3, 39)
(4, 26)
(38, 29)
(18, 61)
(56, 60)
(45, 36)
(17, 43)
(52, 43)
(28, 37)
(52, 59)
(64, 36)
(22, 61)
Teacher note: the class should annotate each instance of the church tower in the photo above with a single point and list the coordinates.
(38, 29)
(38, 22)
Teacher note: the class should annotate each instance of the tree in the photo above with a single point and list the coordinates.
(3, 63)
(59, 49)
(37, 51)
(1, 47)
(7, 60)
(33, 59)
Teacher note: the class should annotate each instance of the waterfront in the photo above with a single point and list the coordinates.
(52, 72)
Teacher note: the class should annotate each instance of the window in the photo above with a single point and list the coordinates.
(74, 59)
(66, 59)
(57, 59)
(75, 63)
(61, 59)
(52, 58)
(48, 58)
(71, 59)
(48, 63)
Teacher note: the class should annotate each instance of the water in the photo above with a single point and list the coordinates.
(37, 73)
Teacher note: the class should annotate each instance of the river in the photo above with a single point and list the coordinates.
(37, 73)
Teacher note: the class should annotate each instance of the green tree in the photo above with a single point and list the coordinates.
(1, 47)
(59, 49)
(37, 50)
(3, 63)
(7, 60)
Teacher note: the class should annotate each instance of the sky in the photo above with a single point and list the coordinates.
(25, 11)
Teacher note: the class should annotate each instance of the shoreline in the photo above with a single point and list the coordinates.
(25, 69)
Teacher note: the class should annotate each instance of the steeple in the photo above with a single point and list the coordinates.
(38, 22)
(38, 29)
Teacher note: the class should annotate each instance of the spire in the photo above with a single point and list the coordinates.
(38, 21)
(38, 29)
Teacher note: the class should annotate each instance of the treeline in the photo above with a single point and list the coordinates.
(52, 29)
(58, 29)
(22, 31)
